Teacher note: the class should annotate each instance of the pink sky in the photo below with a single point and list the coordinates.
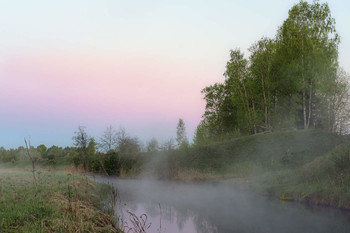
(146, 96)
(137, 64)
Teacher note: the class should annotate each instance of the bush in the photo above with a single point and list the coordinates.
(76, 158)
(111, 164)
(94, 164)
(127, 163)
(9, 157)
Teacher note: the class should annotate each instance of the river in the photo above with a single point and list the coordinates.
(217, 208)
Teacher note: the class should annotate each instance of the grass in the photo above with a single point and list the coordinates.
(258, 153)
(59, 202)
(324, 180)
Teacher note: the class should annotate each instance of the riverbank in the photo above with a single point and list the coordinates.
(310, 166)
(197, 207)
(52, 202)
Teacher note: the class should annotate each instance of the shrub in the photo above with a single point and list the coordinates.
(76, 158)
(94, 164)
(111, 164)
(9, 157)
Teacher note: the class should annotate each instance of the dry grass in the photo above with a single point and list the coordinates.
(81, 216)
(139, 224)
(61, 203)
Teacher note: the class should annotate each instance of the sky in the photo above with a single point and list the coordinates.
(135, 64)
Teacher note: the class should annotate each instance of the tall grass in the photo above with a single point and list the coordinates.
(61, 203)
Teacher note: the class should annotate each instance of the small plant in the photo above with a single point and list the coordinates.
(33, 160)
(139, 224)
(114, 199)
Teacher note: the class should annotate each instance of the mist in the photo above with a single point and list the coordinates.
(212, 208)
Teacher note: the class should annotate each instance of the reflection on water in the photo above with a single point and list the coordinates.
(166, 218)
(209, 208)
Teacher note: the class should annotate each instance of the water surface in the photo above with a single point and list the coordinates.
(218, 208)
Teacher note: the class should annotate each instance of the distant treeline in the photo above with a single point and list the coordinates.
(292, 81)
(114, 153)
(40, 152)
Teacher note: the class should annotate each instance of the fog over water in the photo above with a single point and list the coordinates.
(211, 208)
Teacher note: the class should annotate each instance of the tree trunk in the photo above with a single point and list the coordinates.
(304, 86)
(265, 102)
(304, 108)
(310, 105)
(304, 90)
(248, 108)
(254, 115)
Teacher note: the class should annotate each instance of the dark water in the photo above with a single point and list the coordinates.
(211, 208)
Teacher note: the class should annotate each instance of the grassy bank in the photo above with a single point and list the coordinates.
(53, 202)
(310, 166)
(325, 180)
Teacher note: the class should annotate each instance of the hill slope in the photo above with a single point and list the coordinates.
(310, 165)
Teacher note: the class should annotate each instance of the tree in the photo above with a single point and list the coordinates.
(109, 140)
(53, 152)
(42, 149)
(239, 82)
(289, 82)
(220, 114)
(81, 141)
(168, 145)
(202, 134)
(127, 144)
(262, 60)
(152, 145)
(91, 149)
(4, 155)
(308, 48)
(338, 111)
(33, 160)
(181, 137)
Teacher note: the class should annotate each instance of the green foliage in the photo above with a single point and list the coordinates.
(341, 159)
(262, 151)
(307, 165)
(91, 149)
(289, 82)
(202, 135)
(181, 137)
(94, 164)
(8, 156)
(127, 144)
(52, 154)
(42, 150)
(112, 164)
(81, 141)
(76, 158)
(242, 157)
(130, 164)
